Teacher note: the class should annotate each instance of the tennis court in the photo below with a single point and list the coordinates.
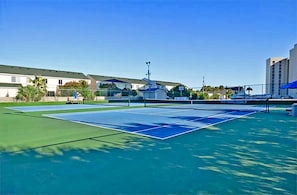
(253, 154)
(160, 122)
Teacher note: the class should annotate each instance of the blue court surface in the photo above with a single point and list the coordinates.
(159, 123)
(65, 107)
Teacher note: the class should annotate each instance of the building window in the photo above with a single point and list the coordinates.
(60, 82)
(15, 79)
(51, 93)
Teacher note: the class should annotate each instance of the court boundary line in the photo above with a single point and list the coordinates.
(174, 110)
(71, 107)
(93, 125)
(185, 122)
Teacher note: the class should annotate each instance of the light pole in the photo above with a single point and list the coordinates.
(203, 83)
(148, 70)
(149, 81)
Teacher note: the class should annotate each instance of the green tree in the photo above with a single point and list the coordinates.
(86, 93)
(40, 84)
(81, 87)
(109, 89)
(215, 96)
(207, 88)
(33, 92)
(221, 88)
(194, 95)
(134, 92)
(228, 93)
(83, 84)
(110, 86)
(176, 92)
(203, 96)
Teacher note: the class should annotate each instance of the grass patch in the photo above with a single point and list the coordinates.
(24, 131)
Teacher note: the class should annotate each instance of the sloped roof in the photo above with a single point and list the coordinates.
(168, 83)
(40, 72)
(126, 80)
(129, 80)
(114, 81)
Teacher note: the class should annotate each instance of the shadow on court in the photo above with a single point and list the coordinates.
(254, 155)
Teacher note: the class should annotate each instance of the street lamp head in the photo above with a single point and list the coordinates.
(148, 62)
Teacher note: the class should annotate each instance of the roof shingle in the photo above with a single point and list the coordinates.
(40, 72)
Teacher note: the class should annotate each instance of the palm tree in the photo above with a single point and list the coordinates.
(39, 83)
(33, 92)
(27, 93)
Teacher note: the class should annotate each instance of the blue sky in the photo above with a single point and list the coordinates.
(226, 41)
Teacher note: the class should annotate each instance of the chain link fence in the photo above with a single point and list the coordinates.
(99, 94)
(254, 91)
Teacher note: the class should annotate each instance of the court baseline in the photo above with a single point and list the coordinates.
(58, 107)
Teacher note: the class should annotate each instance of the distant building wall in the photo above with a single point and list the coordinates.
(269, 63)
(156, 94)
(293, 70)
(14, 78)
(277, 73)
(10, 76)
(293, 64)
(24, 80)
(8, 91)
(136, 86)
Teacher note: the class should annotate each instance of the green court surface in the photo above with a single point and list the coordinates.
(251, 155)
(23, 131)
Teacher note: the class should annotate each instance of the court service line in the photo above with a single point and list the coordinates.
(184, 122)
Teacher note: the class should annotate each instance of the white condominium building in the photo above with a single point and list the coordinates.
(280, 71)
(293, 70)
(276, 75)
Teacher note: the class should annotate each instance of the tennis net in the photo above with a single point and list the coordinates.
(199, 105)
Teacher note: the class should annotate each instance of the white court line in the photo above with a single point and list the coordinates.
(110, 126)
(185, 122)
(237, 117)
(94, 125)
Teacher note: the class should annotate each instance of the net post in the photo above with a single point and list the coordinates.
(267, 105)
(129, 101)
